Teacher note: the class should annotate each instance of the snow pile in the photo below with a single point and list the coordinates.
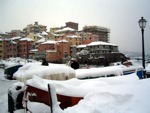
(97, 72)
(122, 98)
(148, 68)
(38, 107)
(53, 72)
(10, 62)
(129, 96)
(14, 91)
(73, 86)
(136, 68)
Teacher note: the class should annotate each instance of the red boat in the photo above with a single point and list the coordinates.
(42, 96)
(68, 92)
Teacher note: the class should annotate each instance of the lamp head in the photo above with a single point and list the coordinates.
(142, 23)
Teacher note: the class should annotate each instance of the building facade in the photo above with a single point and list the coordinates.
(54, 51)
(16, 33)
(36, 28)
(72, 25)
(67, 41)
(9, 49)
(25, 45)
(101, 32)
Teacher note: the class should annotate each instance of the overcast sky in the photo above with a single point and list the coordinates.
(121, 16)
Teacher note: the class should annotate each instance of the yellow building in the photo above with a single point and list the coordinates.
(74, 40)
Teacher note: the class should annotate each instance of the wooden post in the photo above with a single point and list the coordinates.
(50, 98)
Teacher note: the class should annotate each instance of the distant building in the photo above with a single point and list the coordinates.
(63, 33)
(72, 25)
(100, 47)
(1, 48)
(52, 30)
(25, 45)
(63, 48)
(9, 49)
(4, 35)
(101, 32)
(97, 52)
(47, 48)
(65, 42)
(36, 28)
(74, 39)
(16, 33)
(53, 51)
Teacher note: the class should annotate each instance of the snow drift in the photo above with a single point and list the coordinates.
(73, 86)
(52, 72)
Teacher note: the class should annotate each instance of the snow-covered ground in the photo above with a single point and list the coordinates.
(112, 97)
(4, 86)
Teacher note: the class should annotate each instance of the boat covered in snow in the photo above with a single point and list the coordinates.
(70, 89)
(68, 93)
(64, 72)
(52, 72)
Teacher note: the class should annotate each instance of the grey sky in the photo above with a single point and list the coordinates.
(121, 16)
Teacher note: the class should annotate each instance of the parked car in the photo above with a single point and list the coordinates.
(9, 71)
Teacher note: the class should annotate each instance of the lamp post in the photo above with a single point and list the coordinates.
(142, 24)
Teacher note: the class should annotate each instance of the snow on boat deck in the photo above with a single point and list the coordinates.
(73, 86)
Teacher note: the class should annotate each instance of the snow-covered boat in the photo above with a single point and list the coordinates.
(52, 72)
(108, 71)
(71, 90)
(63, 72)
(68, 92)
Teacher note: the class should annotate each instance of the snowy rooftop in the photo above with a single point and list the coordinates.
(64, 30)
(34, 50)
(12, 42)
(41, 40)
(100, 43)
(3, 33)
(15, 38)
(44, 33)
(50, 42)
(26, 39)
(57, 34)
(51, 51)
(73, 36)
(81, 46)
(38, 34)
(62, 40)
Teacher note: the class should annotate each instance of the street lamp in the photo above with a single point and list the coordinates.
(142, 24)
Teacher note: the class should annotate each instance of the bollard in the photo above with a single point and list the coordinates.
(10, 103)
(14, 104)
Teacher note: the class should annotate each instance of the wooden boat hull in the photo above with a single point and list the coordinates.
(38, 95)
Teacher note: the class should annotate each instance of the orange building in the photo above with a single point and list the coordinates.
(25, 45)
(64, 48)
(54, 50)
(49, 51)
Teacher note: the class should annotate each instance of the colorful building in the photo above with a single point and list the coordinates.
(25, 45)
